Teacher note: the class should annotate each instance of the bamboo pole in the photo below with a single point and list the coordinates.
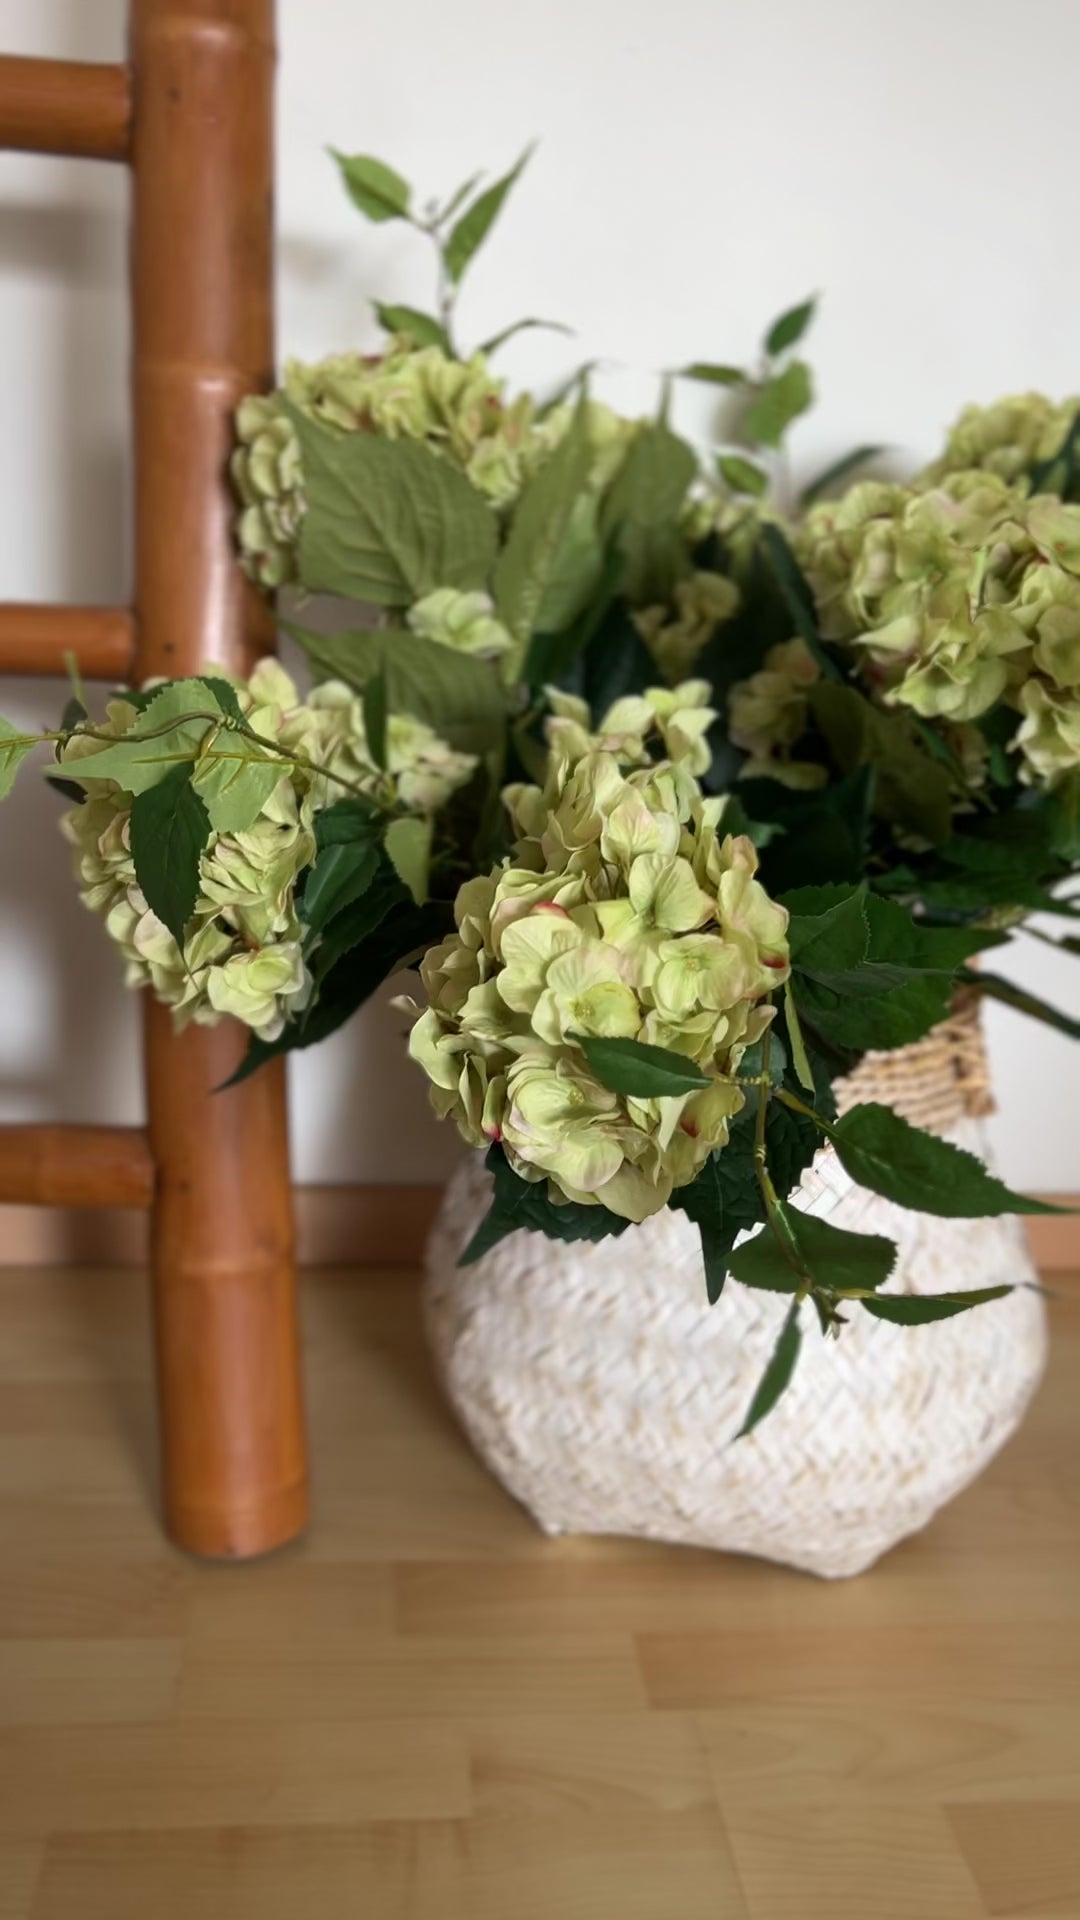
(70, 107)
(228, 1364)
(67, 1166)
(37, 640)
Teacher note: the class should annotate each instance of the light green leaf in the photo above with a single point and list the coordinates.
(375, 188)
(917, 1310)
(14, 747)
(234, 779)
(374, 706)
(643, 1072)
(713, 374)
(777, 404)
(459, 198)
(525, 565)
(790, 327)
(162, 736)
(577, 570)
(915, 1169)
(408, 848)
(388, 521)
(830, 476)
(798, 1044)
(421, 327)
(801, 1249)
(642, 508)
(777, 1375)
(742, 476)
(169, 830)
(499, 339)
(476, 222)
(460, 697)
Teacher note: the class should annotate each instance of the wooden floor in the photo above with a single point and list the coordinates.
(430, 1713)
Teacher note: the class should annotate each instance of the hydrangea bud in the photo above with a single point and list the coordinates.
(624, 911)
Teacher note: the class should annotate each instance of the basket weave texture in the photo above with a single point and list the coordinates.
(605, 1393)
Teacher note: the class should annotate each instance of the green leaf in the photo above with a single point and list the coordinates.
(839, 470)
(374, 706)
(777, 1375)
(541, 518)
(643, 1072)
(580, 585)
(714, 374)
(801, 1249)
(472, 229)
(913, 789)
(780, 401)
(642, 509)
(169, 830)
(408, 847)
(786, 331)
(225, 694)
(358, 921)
(519, 1203)
(66, 788)
(341, 874)
(915, 1169)
(460, 697)
(423, 328)
(741, 475)
(499, 339)
(14, 747)
(1021, 1001)
(375, 188)
(797, 596)
(917, 1310)
(234, 779)
(833, 938)
(799, 1055)
(388, 521)
(161, 737)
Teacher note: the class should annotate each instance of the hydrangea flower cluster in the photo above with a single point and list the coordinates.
(959, 596)
(243, 953)
(625, 911)
(770, 712)
(1008, 437)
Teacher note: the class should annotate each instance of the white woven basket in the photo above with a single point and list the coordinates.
(605, 1393)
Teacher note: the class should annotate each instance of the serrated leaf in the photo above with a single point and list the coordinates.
(837, 471)
(881, 1151)
(235, 779)
(714, 374)
(472, 229)
(374, 706)
(835, 937)
(341, 874)
(640, 1071)
(376, 189)
(780, 401)
(499, 339)
(642, 508)
(408, 849)
(526, 1204)
(358, 921)
(789, 328)
(160, 738)
(14, 747)
(918, 1310)
(541, 518)
(741, 475)
(423, 328)
(460, 697)
(801, 1249)
(388, 521)
(170, 828)
(778, 1373)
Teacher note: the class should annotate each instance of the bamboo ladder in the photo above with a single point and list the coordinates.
(191, 114)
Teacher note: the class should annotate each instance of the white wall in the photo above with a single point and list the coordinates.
(702, 164)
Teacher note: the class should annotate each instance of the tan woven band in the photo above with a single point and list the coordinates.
(934, 1082)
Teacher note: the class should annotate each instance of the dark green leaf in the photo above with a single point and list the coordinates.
(354, 924)
(423, 328)
(519, 1203)
(169, 830)
(797, 596)
(786, 331)
(388, 521)
(839, 470)
(341, 874)
(225, 695)
(347, 821)
(777, 1375)
(379, 192)
(472, 229)
(643, 1072)
(1021, 1001)
(67, 788)
(832, 938)
(915, 1169)
(741, 475)
(780, 401)
(73, 715)
(917, 1310)
(714, 374)
(375, 707)
(913, 789)
(802, 1249)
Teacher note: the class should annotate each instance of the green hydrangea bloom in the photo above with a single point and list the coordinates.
(1007, 438)
(770, 711)
(242, 954)
(676, 636)
(624, 911)
(465, 622)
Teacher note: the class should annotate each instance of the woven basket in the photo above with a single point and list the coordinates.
(603, 1391)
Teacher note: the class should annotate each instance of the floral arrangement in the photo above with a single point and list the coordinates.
(679, 796)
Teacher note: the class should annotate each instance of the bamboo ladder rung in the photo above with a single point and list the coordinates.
(78, 108)
(37, 640)
(69, 1166)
